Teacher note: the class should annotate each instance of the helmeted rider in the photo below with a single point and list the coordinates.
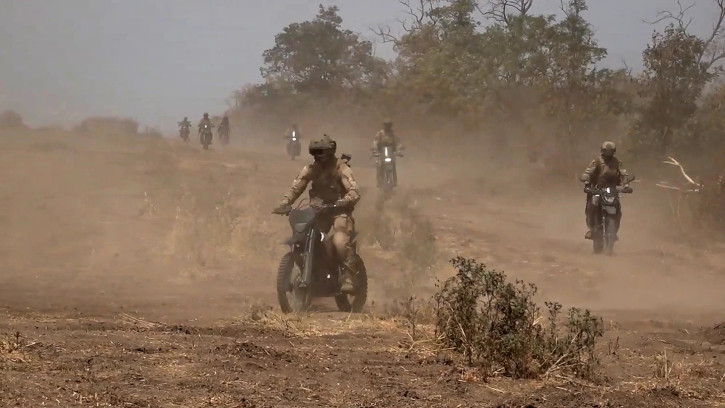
(294, 129)
(384, 138)
(332, 183)
(185, 124)
(224, 124)
(205, 120)
(604, 171)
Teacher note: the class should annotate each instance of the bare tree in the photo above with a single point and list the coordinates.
(417, 14)
(501, 10)
(713, 50)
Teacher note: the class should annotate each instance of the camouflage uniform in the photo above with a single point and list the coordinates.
(602, 172)
(332, 183)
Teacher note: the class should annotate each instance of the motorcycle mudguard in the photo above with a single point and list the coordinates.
(611, 210)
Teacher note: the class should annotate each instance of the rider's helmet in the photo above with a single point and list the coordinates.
(186, 118)
(388, 124)
(206, 115)
(608, 150)
(323, 149)
(294, 126)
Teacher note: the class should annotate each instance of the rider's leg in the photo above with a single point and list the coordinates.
(342, 230)
(591, 215)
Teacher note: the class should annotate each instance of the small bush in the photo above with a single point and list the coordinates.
(495, 325)
(11, 120)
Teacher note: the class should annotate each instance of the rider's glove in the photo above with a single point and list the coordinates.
(340, 203)
(627, 189)
(587, 186)
(282, 209)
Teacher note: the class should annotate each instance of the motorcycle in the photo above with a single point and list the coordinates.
(294, 148)
(205, 135)
(311, 269)
(184, 132)
(605, 229)
(224, 135)
(387, 162)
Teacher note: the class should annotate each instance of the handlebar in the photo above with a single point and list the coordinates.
(621, 189)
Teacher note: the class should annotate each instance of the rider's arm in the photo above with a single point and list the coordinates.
(298, 186)
(590, 171)
(352, 193)
(622, 173)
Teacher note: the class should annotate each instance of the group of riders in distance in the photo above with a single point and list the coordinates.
(323, 261)
(205, 130)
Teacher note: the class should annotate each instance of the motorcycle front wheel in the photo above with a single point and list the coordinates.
(291, 297)
(356, 301)
(611, 233)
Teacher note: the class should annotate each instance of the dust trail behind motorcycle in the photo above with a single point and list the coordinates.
(114, 243)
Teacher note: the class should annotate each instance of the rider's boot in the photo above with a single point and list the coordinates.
(348, 276)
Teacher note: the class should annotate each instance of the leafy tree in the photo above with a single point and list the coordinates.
(319, 56)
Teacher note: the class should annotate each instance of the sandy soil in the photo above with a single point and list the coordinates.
(140, 272)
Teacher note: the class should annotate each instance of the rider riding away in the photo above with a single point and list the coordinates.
(604, 171)
(332, 183)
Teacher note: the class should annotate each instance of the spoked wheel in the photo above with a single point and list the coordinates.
(354, 302)
(291, 297)
(598, 240)
(611, 236)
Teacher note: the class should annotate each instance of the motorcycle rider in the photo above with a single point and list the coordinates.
(295, 129)
(384, 138)
(184, 126)
(604, 171)
(224, 124)
(205, 121)
(332, 183)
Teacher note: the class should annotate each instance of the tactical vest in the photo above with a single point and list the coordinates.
(607, 174)
(326, 183)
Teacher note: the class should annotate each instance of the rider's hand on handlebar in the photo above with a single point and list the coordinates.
(587, 187)
(282, 209)
(627, 189)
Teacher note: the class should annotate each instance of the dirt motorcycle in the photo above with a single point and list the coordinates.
(605, 229)
(311, 269)
(184, 133)
(387, 163)
(224, 132)
(205, 135)
(294, 148)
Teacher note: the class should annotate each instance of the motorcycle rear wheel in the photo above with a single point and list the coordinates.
(361, 291)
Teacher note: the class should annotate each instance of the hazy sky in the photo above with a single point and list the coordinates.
(160, 60)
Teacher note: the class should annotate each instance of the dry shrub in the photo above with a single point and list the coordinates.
(495, 325)
(102, 124)
(211, 231)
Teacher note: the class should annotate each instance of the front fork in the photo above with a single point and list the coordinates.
(309, 257)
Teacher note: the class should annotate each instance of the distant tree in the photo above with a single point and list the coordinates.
(11, 119)
(320, 56)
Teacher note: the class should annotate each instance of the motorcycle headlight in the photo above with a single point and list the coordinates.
(388, 159)
(294, 139)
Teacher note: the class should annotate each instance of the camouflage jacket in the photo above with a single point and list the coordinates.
(329, 184)
(603, 173)
(383, 138)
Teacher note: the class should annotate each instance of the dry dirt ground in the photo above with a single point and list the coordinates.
(140, 273)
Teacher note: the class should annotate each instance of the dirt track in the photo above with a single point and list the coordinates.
(140, 273)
